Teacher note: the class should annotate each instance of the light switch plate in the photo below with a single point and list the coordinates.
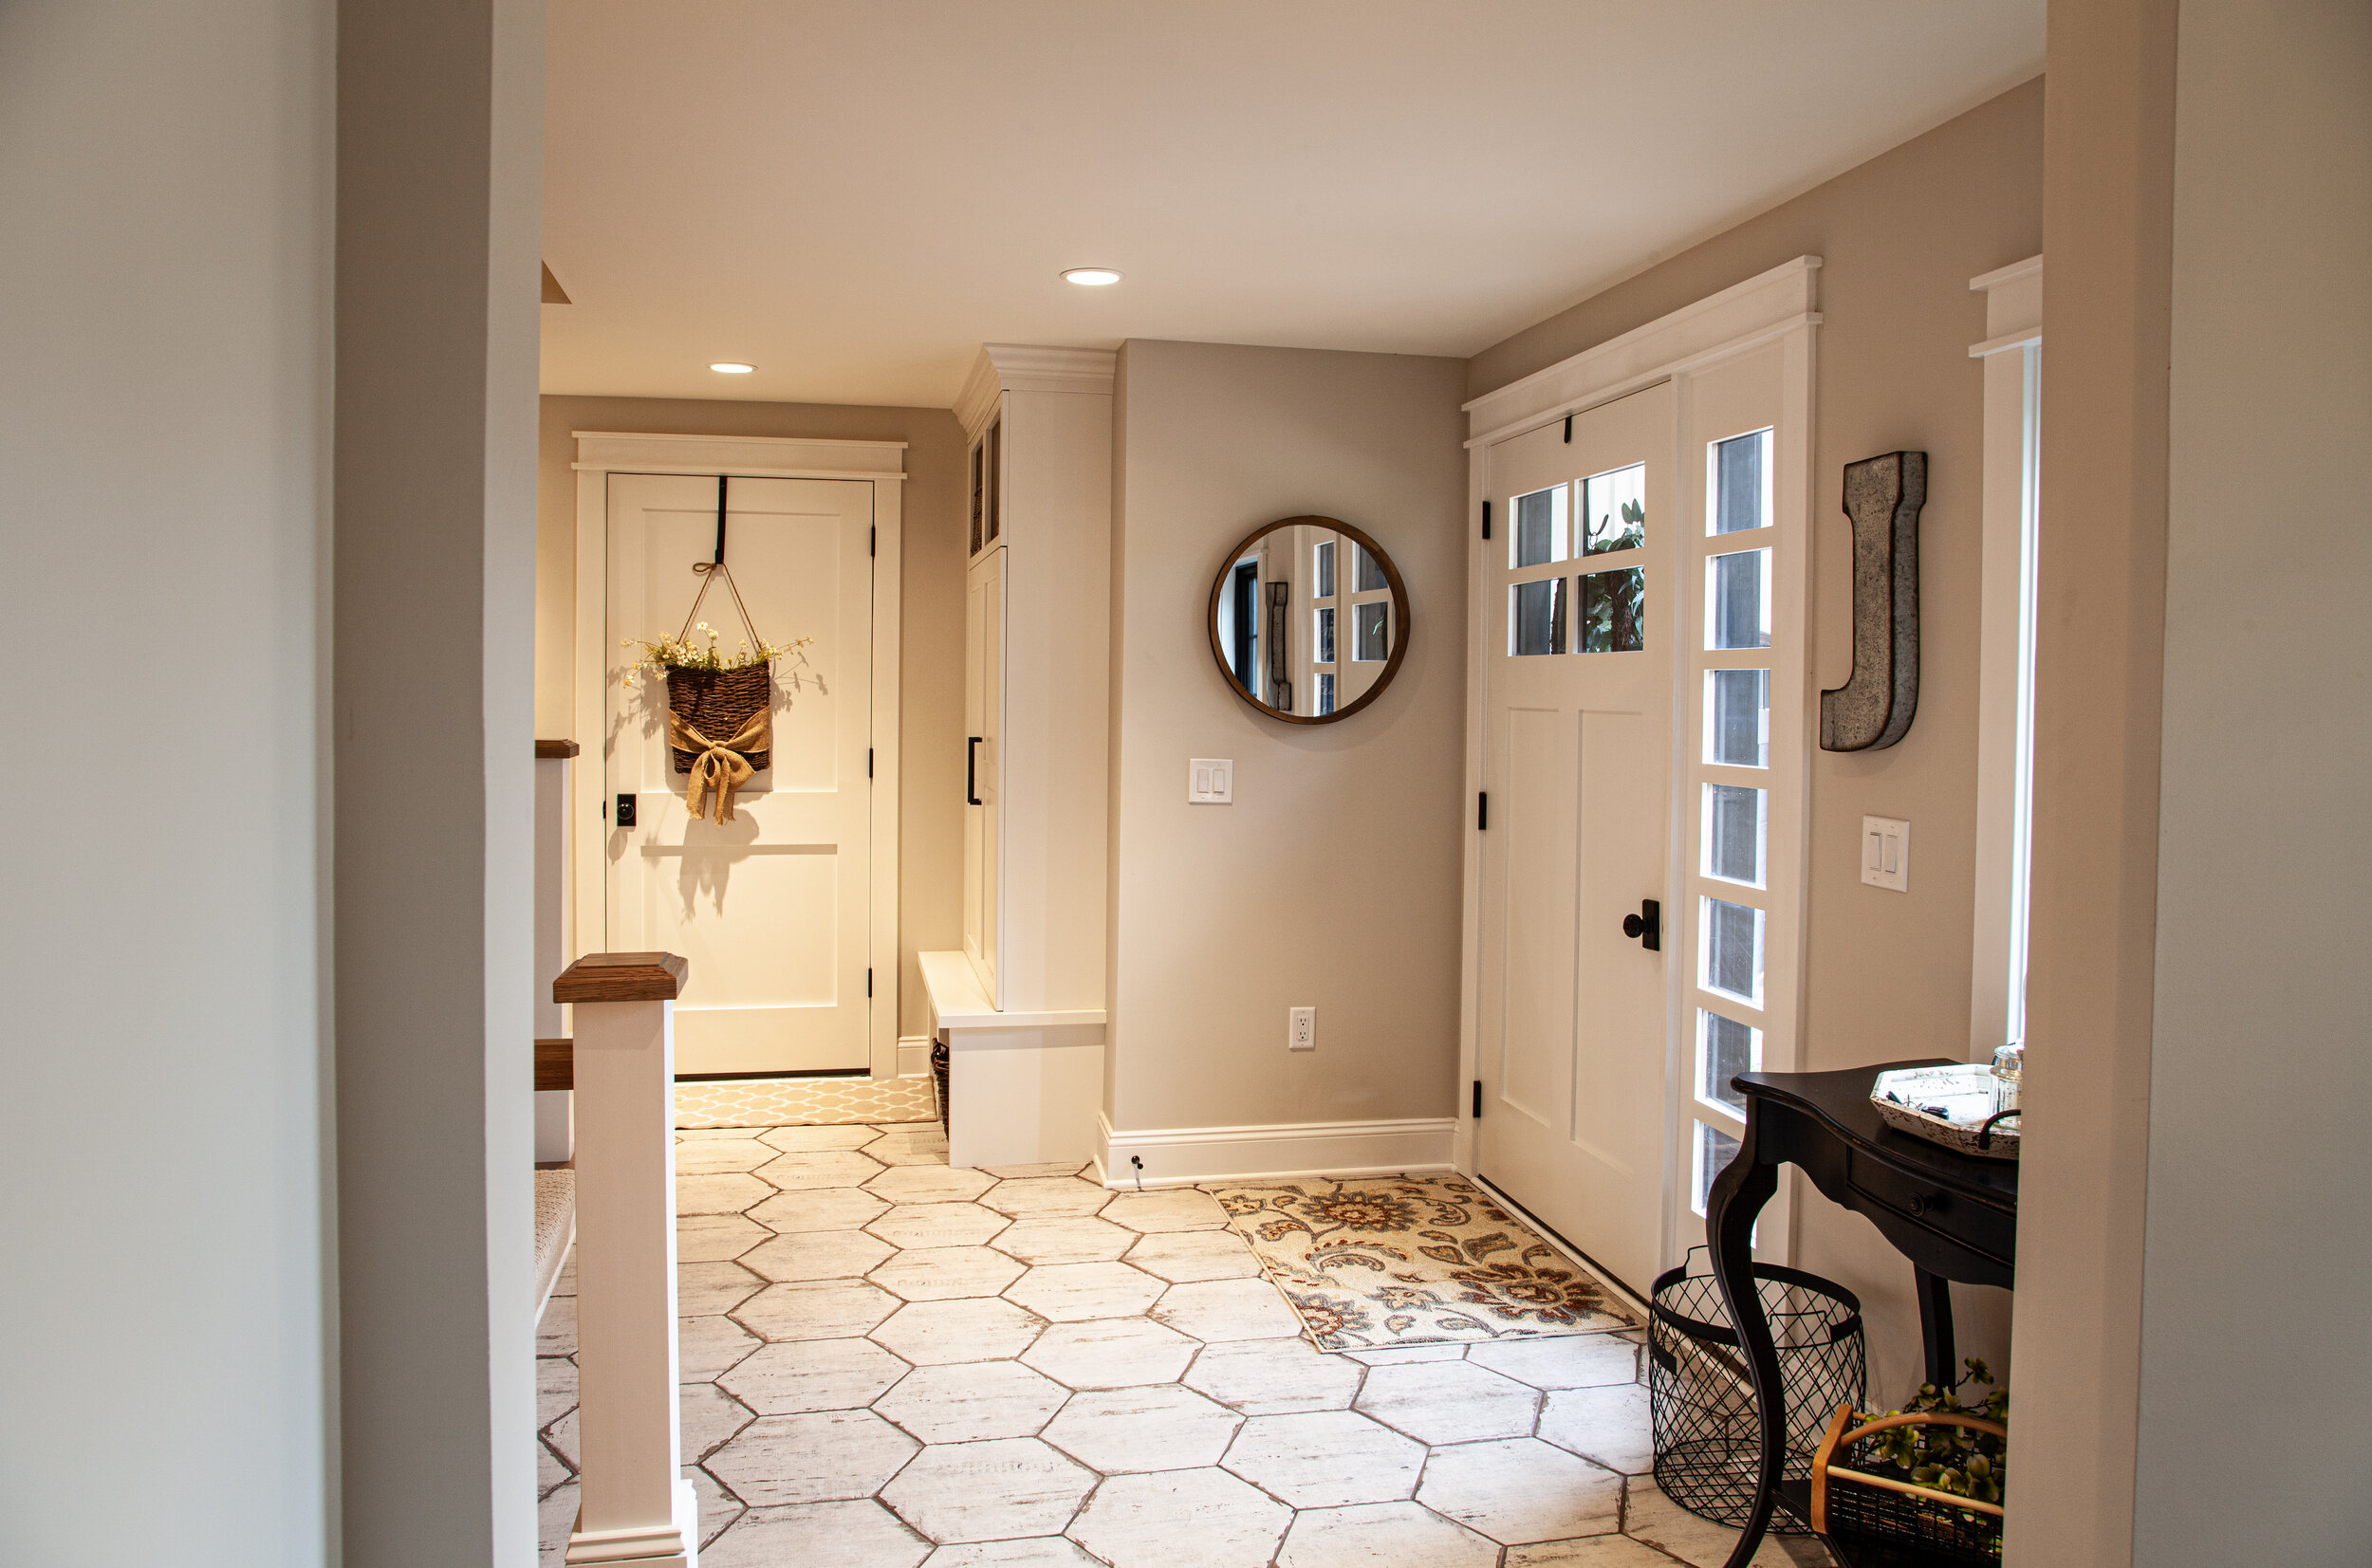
(1210, 780)
(1301, 1029)
(1887, 853)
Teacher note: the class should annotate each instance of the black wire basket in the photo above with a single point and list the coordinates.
(1701, 1399)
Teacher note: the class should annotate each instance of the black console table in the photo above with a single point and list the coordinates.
(1953, 1215)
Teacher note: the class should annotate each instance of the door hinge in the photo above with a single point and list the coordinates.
(1569, 430)
(868, 762)
(873, 538)
(868, 982)
(1486, 520)
(1482, 812)
(1478, 1100)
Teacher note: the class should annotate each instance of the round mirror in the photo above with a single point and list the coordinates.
(1308, 620)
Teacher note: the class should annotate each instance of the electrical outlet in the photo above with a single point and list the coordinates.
(1302, 1032)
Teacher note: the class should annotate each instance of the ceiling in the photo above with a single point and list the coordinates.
(852, 195)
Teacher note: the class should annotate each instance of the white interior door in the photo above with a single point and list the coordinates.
(1578, 666)
(771, 908)
(983, 723)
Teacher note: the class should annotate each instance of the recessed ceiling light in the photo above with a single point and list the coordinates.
(1091, 277)
(732, 369)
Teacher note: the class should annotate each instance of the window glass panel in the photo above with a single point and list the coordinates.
(1536, 618)
(1539, 534)
(1742, 483)
(1737, 717)
(1733, 945)
(1737, 599)
(1371, 627)
(1370, 572)
(1715, 1150)
(1736, 824)
(1325, 693)
(1725, 1048)
(1614, 612)
(1323, 572)
(1614, 511)
(1324, 639)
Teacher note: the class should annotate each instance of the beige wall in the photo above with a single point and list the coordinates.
(1888, 973)
(169, 1316)
(1333, 879)
(2260, 1067)
(931, 610)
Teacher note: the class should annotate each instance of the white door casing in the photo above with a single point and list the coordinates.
(1736, 361)
(984, 725)
(1577, 748)
(872, 943)
(771, 908)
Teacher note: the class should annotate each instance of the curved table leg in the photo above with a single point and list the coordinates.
(1739, 1193)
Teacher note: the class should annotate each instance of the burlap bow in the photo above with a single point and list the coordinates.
(722, 766)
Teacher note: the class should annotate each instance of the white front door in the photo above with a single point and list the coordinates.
(1579, 618)
(771, 908)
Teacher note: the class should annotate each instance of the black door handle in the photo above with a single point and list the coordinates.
(971, 762)
(1648, 925)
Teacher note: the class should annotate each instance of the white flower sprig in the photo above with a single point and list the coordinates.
(671, 653)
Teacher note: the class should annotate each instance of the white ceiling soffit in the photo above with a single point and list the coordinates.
(853, 194)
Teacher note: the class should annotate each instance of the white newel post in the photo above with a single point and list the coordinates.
(632, 1506)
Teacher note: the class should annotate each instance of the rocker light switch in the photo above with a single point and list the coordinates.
(1887, 853)
(1210, 780)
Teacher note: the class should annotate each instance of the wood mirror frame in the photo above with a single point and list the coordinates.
(1403, 627)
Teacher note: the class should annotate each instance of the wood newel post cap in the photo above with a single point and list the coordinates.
(623, 977)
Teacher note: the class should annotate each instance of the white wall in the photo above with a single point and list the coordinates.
(1333, 879)
(164, 177)
(2256, 1355)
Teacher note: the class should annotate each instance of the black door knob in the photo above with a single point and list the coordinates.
(1646, 926)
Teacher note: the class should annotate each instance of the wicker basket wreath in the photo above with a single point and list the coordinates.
(720, 709)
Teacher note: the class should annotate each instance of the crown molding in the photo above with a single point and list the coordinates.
(1030, 367)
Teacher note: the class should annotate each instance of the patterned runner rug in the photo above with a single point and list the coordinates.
(1414, 1261)
(805, 1101)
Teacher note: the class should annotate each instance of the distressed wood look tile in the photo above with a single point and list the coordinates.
(1046, 1197)
(1651, 1517)
(705, 1290)
(1077, 1240)
(1448, 1402)
(1163, 1428)
(1610, 1426)
(1400, 1354)
(1183, 1257)
(717, 1238)
(943, 1273)
(718, 1507)
(822, 1535)
(1111, 1353)
(1069, 1293)
(556, 1331)
(818, 1255)
(823, 1168)
(938, 1224)
(988, 1491)
(932, 1334)
(1036, 1552)
(808, 1141)
(830, 1456)
(1382, 1533)
(711, 1157)
(1561, 1362)
(729, 1193)
(550, 1470)
(801, 1375)
(555, 1518)
(1228, 1309)
(928, 1184)
(707, 1415)
(820, 1208)
(1588, 1552)
(1519, 1489)
(908, 1146)
(972, 1402)
(1326, 1460)
(1181, 1519)
(1059, 1168)
(555, 1388)
(706, 1347)
(1167, 1209)
(816, 1309)
(1274, 1377)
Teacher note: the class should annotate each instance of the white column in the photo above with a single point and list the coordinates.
(554, 1138)
(634, 1507)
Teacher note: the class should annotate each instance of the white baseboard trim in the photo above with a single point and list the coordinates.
(914, 1056)
(1180, 1157)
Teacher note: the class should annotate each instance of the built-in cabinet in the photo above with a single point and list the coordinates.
(1022, 1007)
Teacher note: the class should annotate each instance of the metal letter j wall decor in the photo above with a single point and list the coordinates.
(1882, 496)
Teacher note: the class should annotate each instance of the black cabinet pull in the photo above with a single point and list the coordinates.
(1648, 925)
(972, 776)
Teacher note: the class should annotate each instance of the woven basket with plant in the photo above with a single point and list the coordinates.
(720, 707)
(1922, 1485)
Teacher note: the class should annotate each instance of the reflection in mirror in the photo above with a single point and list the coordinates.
(1309, 618)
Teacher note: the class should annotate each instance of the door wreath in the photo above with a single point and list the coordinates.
(720, 708)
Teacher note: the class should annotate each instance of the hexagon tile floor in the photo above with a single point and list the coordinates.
(895, 1364)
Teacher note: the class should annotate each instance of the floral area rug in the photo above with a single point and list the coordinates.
(1413, 1260)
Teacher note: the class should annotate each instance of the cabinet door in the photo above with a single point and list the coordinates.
(983, 724)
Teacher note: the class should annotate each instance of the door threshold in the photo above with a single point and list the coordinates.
(753, 1077)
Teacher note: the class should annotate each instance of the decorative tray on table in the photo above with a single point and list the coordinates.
(1973, 1109)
